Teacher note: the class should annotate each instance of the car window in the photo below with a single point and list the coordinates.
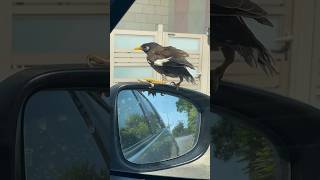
(131, 116)
(156, 123)
(57, 143)
(244, 153)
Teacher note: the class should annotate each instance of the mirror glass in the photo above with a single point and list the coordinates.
(156, 126)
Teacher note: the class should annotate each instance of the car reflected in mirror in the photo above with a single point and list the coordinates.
(155, 126)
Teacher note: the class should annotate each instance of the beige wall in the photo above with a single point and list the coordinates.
(146, 15)
(305, 59)
(23, 29)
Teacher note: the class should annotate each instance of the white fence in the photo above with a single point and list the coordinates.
(127, 65)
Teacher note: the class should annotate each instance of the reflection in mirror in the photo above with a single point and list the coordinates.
(243, 153)
(156, 126)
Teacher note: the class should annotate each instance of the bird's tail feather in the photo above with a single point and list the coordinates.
(267, 63)
(194, 72)
(258, 58)
(264, 21)
(191, 75)
(189, 78)
(257, 55)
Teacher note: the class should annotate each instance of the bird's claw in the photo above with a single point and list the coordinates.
(177, 85)
(217, 76)
(151, 81)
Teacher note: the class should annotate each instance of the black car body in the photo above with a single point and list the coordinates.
(19, 94)
(288, 124)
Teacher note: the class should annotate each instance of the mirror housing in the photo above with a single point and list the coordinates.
(199, 100)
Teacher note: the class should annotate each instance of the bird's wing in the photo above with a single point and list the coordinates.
(172, 56)
(244, 5)
(244, 8)
(243, 41)
(173, 62)
(172, 52)
(228, 3)
(181, 61)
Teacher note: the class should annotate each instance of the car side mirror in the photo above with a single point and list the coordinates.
(159, 127)
(73, 103)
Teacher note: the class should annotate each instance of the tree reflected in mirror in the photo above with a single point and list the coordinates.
(134, 131)
(244, 148)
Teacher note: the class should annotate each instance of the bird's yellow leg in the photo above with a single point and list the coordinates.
(151, 80)
(164, 78)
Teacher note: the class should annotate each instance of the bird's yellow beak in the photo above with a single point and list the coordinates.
(138, 48)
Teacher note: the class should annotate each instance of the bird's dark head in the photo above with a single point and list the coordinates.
(147, 47)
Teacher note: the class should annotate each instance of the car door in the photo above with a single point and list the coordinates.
(58, 143)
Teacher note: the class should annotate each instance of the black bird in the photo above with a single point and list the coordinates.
(169, 61)
(230, 34)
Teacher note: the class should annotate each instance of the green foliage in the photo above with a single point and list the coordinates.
(185, 106)
(136, 129)
(162, 149)
(232, 140)
(83, 171)
(179, 130)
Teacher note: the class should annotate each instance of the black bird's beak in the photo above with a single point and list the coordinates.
(138, 48)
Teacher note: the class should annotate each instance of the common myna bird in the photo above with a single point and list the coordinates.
(230, 34)
(169, 61)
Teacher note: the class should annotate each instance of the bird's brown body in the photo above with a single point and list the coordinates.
(168, 61)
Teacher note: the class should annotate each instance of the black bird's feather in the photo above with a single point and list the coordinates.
(244, 8)
(170, 51)
(230, 30)
(243, 5)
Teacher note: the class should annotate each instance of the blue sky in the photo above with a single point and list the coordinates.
(166, 107)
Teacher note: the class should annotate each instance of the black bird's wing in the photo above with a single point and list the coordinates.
(180, 62)
(244, 5)
(173, 57)
(177, 68)
(242, 40)
(244, 8)
(172, 52)
(172, 62)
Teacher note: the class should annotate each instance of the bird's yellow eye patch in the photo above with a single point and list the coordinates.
(138, 49)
